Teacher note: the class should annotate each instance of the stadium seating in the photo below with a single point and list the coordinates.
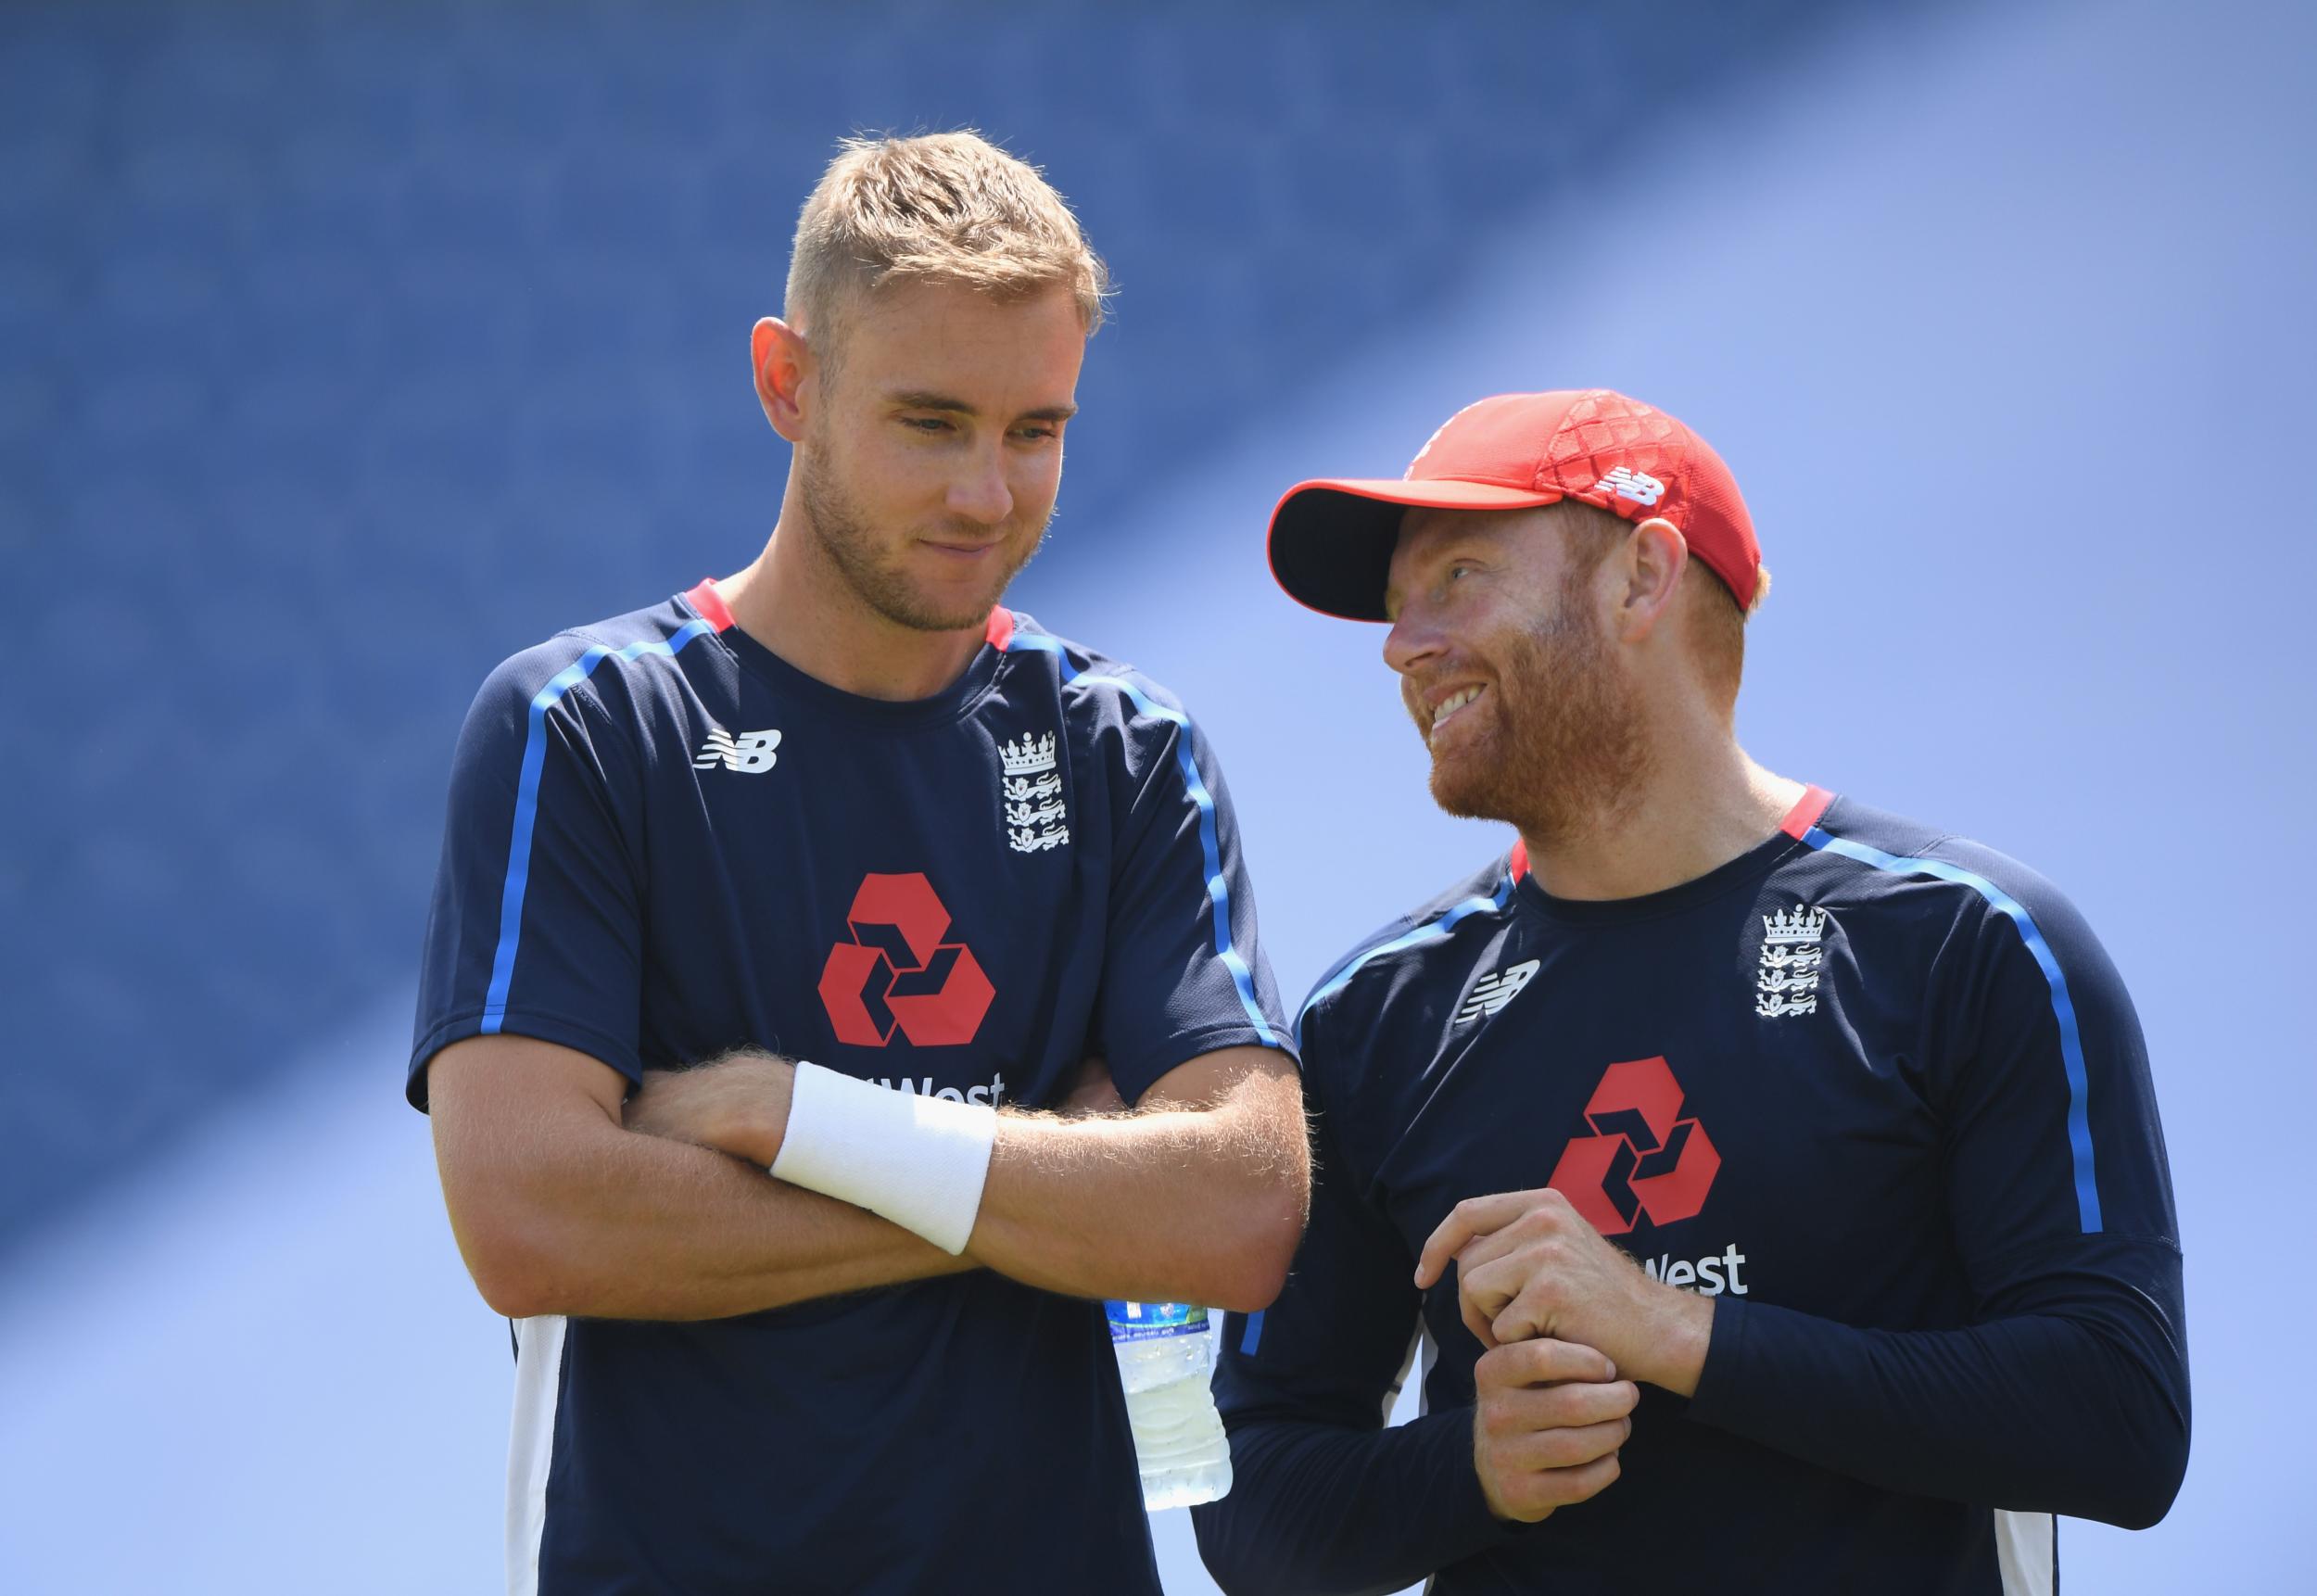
(348, 347)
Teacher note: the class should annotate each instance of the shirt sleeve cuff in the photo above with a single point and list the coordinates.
(1137, 1074)
(1721, 1377)
(577, 1035)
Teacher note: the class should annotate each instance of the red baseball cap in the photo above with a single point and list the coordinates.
(1331, 539)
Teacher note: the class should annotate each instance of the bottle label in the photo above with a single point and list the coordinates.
(1149, 1321)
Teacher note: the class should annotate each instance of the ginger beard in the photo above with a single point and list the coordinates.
(1568, 745)
(865, 558)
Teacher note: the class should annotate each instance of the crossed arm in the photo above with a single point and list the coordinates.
(565, 1200)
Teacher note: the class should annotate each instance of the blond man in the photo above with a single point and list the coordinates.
(770, 919)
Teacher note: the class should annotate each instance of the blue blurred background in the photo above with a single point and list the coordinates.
(348, 347)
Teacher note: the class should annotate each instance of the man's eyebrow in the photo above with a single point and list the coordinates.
(919, 399)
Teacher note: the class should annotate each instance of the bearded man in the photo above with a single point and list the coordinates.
(828, 1325)
(1894, 1276)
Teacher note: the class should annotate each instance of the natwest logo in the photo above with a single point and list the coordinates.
(897, 973)
(1643, 1158)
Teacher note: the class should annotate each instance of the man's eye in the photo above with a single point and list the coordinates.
(926, 423)
(1038, 434)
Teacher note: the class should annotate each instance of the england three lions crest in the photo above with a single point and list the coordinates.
(1030, 789)
(1788, 981)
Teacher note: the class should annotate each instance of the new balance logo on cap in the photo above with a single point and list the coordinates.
(1626, 483)
(1495, 991)
(751, 751)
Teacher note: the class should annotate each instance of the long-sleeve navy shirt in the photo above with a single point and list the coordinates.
(1876, 1090)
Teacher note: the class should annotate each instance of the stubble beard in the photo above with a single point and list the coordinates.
(843, 533)
(1568, 751)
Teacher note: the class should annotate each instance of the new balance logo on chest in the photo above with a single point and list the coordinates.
(1495, 989)
(750, 753)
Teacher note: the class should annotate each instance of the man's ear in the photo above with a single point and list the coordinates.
(1654, 557)
(784, 366)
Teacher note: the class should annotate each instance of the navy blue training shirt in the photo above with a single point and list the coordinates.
(665, 843)
(1876, 1089)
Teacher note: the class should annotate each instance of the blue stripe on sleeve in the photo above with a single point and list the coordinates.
(1252, 1337)
(528, 804)
(1431, 931)
(2063, 1006)
(1217, 889)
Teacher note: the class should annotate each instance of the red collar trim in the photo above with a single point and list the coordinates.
(710, 603)
(1805, 812)
(704, 598)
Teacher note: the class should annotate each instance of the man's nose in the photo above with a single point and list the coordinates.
(979, 493)
(1415, 637)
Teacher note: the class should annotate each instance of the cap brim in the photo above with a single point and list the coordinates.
(1332, 539)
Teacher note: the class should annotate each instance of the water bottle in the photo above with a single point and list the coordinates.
(1164, 1355)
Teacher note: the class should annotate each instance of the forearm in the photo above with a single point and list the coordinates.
(1184, 1204)
(1198, 1197)
(2036, 1413)
(615, 1224)
(1316, 1508)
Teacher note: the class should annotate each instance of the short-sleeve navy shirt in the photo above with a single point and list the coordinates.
(664, 842)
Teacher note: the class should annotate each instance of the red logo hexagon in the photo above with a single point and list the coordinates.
(897, 974)
(1643, 1159)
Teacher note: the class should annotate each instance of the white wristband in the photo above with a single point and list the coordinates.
(918, 1160)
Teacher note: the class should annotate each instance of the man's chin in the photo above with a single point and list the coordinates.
(953, 606)
(1465, 788)
(958, 620)
(925, 609)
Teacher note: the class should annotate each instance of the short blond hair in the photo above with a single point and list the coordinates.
(948, 206)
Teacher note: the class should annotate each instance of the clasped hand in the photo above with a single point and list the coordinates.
(1562, 1314)
(1528, 1264)
(738, 1103)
